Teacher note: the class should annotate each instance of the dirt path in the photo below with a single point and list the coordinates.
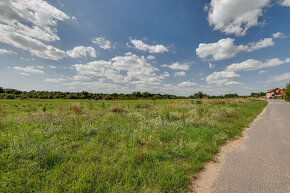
(257, 162)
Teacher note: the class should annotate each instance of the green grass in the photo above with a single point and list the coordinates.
(116, 146)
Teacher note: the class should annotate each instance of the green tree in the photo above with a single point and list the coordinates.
(287, 92)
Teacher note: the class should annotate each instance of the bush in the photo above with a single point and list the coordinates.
(10, 96)
(287, 92)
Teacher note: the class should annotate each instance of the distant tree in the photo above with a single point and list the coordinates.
(199, 95)
(287, 92)
(10, 96)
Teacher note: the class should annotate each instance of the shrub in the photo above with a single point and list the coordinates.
(287, 92)
(10, 96)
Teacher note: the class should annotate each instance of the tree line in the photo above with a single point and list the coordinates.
(17, 94)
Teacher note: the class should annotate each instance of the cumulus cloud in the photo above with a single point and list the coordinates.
(278, 35)
(178, 66)
(225, 48)
(225, 77)
(232, 83)
(181, 73)
(139, 45)
(130, 69)
(150, 57)
(235, 17)
(251, 64)
(79, 77)
(4, 51)
(24, 74)
(187, 84)
(82, 51)
(285, 3)
(27, 24)
(54, 80)
(103, 43)
(211, 66)
(28, 70)
(263, 72)
(281, 77)
(222, 77)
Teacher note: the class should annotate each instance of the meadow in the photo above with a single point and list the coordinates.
(114, 146)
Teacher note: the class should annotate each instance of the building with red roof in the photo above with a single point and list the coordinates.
(274, 93)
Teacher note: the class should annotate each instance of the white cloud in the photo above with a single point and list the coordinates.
(139, 45)
(278, 35)
(129, 69)
(225, 77)
(181, 73)
(178, 66)
(54, 80)
(150, 57)
(263, 72)
(264, 43)
(211, 66)
(79, 77)
(24, 74)
(82, 51)
(222, 77)
(51, 66)
(225, 48)
(28, 69)
(102, 43)
(25, 24)
(235, 17)
(232, 83)
(281, 77)
(285, 3)
(4, 51)
(251, 64)
(187, 84)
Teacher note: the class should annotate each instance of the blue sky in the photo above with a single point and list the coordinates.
(177, 46)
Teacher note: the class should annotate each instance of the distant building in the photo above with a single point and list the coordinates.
(274, 93)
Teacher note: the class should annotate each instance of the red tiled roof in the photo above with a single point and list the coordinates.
(271, 90)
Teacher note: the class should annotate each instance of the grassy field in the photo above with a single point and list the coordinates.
(116, 146)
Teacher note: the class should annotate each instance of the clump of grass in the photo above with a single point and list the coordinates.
(165, 114)
(144, 106)
(117, 110)
(44, 108)
(76, 109)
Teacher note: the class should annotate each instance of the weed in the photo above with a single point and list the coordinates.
(44, 108)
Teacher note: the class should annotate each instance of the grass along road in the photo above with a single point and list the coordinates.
(116, 146)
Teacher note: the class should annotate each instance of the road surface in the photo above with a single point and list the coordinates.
(263, 162)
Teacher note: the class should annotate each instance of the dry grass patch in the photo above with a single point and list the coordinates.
(117, 110)
(76, 109)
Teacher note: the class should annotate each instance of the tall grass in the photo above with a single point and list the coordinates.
(120, 146)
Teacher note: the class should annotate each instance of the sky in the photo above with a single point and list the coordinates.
(161, 46)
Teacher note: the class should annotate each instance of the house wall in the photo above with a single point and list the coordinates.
(269, 95)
